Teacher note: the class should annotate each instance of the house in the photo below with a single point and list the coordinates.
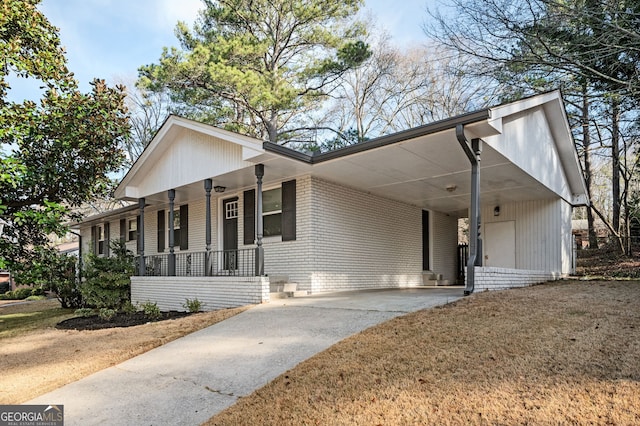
(226, 218)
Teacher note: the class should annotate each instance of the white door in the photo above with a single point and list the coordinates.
(499, 244)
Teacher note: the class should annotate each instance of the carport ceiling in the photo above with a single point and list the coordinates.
(429, 171)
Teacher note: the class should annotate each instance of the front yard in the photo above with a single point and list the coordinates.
(560, 353)
(37, 358)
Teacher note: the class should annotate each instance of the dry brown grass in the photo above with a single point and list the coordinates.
(562, 353)
(37, 361)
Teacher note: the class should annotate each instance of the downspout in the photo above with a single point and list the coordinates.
(77, 234)
(473, 151)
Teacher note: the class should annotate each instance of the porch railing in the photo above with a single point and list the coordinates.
(239, 263)
(463, 258)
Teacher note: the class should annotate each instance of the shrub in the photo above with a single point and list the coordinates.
(151, 310)
(129, 308)
(20, 293)
(84, 312)
(107, 314)
(64, 283)
(107, 279)
(193, 306)
(52, 271)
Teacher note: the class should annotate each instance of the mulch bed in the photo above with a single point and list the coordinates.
(120, 320)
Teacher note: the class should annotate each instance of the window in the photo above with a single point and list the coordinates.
(176, 227)
(180, 227)
(133, 230)
(272, 212)
(101, 247)
(278, 213)
(231, 210)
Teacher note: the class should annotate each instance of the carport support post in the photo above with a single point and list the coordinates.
(208, 184)
(259, 224)
(142, 269)
(172, 254)
(475, 243)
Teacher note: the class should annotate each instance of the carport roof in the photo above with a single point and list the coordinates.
(424, 166)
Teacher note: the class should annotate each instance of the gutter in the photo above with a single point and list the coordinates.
(416, 132)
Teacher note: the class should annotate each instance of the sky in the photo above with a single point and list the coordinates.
(111, 39)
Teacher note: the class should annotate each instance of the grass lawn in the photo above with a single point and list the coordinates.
(18, 318)
(37, 358)
(560, 353)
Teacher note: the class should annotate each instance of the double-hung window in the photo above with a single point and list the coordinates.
(272, 212)
(176, 227)
(133, 230)
(101, 244)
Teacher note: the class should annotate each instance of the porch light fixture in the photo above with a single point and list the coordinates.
(219, 189)
(451, 187)
(496, 211)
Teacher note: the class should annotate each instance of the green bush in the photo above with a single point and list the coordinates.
(107, 279)
(129, 308)
(64, 283)
(84, 312)
(51, 271)
(19, 293)
(193, 305)
(107, 314)
(151, 310)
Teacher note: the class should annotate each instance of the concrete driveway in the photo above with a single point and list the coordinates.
(187, 381)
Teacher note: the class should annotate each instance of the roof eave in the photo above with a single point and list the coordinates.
(416, 132)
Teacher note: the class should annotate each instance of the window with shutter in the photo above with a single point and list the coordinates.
(272, 212)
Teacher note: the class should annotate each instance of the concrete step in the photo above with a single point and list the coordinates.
(435, 282)
(283, 295)
(285, 290)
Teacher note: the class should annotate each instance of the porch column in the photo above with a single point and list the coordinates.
(172, 255)
(142, 270)
(259, 224)
(208, 184)
(473, 152)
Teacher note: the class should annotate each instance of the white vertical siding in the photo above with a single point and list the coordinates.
(444, 248)
(527, 142)
(202, 153)
(539, 236)
(567, 238)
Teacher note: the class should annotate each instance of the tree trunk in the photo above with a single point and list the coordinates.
(615, 162)
(586, 140)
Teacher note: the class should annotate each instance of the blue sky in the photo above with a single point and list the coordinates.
(110, 39)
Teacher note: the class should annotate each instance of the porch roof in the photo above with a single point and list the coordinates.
(528, 153)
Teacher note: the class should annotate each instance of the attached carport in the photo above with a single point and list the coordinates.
(524, 149)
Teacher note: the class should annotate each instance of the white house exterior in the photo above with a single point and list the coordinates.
(379, 214)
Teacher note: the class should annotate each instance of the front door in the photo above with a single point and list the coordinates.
(499, 241)
(230, 233)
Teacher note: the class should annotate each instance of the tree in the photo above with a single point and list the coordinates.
(590, 48)
(397, 89)
(257, 66)
(147, 112)
(57, 153)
